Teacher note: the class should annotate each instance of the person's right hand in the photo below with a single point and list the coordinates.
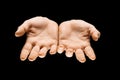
(42, 35)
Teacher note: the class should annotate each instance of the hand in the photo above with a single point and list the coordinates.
(74, 37)
(42, 35)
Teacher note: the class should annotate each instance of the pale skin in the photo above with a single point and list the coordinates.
(74, 37)
(42, 35)
(71, 36)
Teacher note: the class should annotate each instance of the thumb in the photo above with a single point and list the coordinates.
(94, 33)
(21, 30)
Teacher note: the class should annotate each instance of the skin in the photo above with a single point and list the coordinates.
(74, 37)
(42, 35)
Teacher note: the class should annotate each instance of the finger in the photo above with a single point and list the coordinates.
(80, 55)
(25, 51)
(60, 49)
(90, 53)
(43, 52)
(94, 33)
(69, 53)
(34, 53)
(53, 49)
(22, 29)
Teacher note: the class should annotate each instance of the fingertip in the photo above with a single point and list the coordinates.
(42, 55)
(43, 52)
(83, 60)
(17, 34)
(22, 58)
(52, 52)
(23, 55)
(60, 49)
(69, 53)
(20, 31)
(31, 59)
(53, 49)
(93, 58)
(96, 35)
(95, 39)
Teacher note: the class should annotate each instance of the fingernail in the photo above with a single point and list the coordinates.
(96, 39)
(83, 60)
(41, 55)
(69, 54)
(31, 59)
(22, 59)
(52, 52)
(93, 58)
(60, 50)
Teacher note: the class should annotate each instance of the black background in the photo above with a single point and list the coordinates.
(104, 19)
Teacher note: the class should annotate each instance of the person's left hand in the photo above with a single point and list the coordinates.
(74, 37)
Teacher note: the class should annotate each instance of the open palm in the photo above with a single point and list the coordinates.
(42, 35)
(74, 37)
